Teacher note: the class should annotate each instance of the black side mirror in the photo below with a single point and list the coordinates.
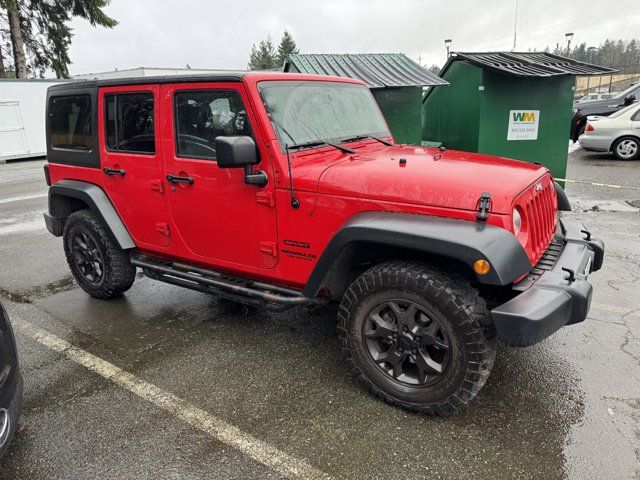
(235, 152)
(240, 152)
(629, 99)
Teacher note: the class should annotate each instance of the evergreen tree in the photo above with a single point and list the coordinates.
(435, 69)
(41, 37)
(263, 57)
(287, 47)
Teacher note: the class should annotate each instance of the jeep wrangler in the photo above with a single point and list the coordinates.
(278, 190)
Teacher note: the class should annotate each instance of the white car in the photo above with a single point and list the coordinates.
(618, 133)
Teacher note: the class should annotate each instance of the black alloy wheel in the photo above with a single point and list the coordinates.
(407, 342)
(87, 256)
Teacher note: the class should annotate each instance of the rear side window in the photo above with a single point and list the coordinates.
(130, 123)
(203, 115)
(70, 122)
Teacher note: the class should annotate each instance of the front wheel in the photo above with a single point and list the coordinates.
(417, 337)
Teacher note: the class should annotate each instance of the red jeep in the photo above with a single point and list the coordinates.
(279, 190)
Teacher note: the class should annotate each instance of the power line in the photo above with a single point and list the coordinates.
(619, 11)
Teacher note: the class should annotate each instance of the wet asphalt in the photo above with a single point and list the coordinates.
(568, 407)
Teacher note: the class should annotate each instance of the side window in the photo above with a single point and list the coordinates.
(636, 116)
(203, 115)
(129, 122)
(70, 122)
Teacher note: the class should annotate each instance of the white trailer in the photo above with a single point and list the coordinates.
(22, 122)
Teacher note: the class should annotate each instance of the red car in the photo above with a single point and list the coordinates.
(281, 189)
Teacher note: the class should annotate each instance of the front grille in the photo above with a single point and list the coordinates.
(540, 206)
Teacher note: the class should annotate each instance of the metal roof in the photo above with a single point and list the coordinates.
(377, 70)
(528, 64)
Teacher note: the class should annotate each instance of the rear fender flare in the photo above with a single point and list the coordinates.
(97, 200)
(461, 240)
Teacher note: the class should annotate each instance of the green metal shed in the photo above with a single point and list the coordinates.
(395, 80)
(515, 105)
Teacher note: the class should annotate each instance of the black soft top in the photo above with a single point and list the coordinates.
(208, 77)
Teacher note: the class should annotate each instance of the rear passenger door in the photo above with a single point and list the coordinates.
(131, 162)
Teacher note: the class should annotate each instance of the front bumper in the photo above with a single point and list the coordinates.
(556, 293)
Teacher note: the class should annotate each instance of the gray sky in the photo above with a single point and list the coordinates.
(216, 34)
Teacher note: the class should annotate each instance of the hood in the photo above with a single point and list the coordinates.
(449, 179)
(598, 106)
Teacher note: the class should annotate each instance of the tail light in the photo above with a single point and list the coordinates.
(589, 128)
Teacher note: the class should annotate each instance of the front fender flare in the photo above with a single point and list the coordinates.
(462, 240)
(97, 200)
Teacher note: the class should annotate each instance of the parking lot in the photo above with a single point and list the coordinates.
(170, 383)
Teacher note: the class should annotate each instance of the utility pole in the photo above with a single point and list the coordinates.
(515, 28)
(590, 50)
(569, 36)
(447, 44)
(420, 60)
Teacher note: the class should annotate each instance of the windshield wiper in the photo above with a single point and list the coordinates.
(362, 137)
(318, 143)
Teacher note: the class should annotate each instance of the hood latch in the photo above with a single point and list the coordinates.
(484, 205)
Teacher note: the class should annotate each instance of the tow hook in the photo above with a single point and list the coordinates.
(572, 275)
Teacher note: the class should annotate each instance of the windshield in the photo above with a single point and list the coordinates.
(628, 91)
(309, 112)
(623, 110)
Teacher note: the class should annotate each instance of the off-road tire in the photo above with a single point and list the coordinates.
(459, 310)
(118, 274)
(633, 156)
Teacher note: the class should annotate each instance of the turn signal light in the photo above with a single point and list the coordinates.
(589, 128)
(481, 267)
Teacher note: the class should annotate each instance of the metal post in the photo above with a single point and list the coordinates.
(447, 43)
(515, 27)
(569, 36)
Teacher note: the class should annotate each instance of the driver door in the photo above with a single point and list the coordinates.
(216, 214)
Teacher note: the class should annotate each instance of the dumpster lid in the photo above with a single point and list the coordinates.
(529, 64)
(377, 70)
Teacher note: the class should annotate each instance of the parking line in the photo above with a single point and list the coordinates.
(213, 426)
(21, 198)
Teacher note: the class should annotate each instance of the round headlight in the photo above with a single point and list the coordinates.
(517, 222)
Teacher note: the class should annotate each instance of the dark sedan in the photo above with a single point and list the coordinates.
(10, 383)
(602, 108)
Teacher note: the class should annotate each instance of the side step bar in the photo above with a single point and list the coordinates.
(238, 289)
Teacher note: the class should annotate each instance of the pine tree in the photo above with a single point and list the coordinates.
(287, 47)
(263, 57)
(41, 38)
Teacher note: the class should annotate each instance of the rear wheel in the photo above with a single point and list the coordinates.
(417, 337)
(626, 148)
(99, 265)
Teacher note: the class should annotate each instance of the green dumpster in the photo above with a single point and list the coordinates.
(396, 81)
(515, 105)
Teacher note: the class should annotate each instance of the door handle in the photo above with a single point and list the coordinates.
(113, 171)
(176, 179)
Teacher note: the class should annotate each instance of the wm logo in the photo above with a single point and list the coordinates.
(524, 117)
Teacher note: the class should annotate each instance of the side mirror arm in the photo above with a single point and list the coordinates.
(259, 178)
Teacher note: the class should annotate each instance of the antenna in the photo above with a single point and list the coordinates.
(295, 203)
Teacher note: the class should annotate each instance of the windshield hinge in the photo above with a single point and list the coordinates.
(484, 205)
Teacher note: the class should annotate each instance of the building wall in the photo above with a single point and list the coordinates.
(553, 97)
(22, 117)
(143, 72)
(450, 114)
